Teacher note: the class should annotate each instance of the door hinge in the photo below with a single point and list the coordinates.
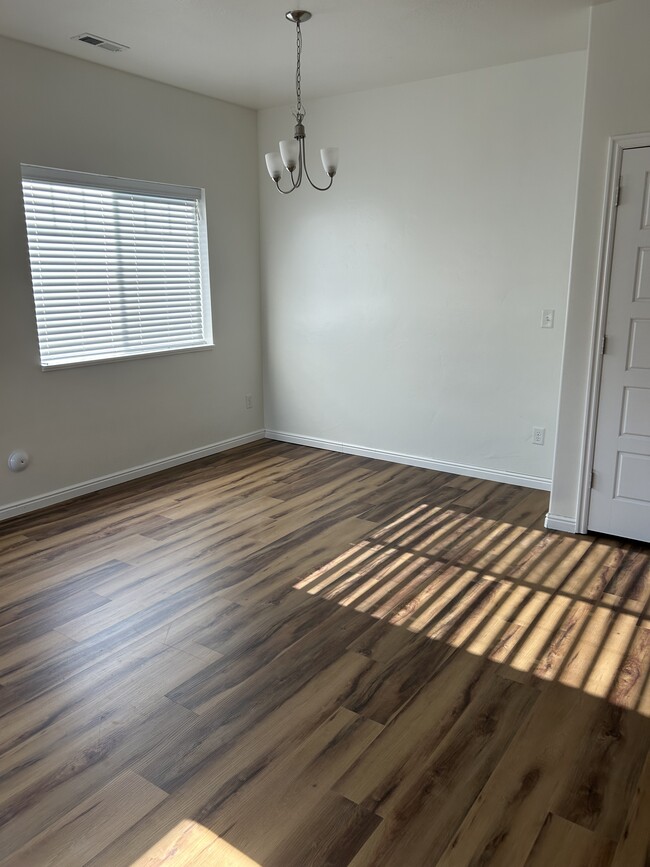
(617, 192)
(603, 344)
(593, 478)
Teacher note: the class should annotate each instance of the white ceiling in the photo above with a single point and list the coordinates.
(243, 51)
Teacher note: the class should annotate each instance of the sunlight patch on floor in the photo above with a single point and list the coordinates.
(548, 606)
(189, 844)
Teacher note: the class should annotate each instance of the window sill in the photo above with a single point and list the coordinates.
(117, 358)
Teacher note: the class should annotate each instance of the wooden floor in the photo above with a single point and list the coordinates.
(285, 656)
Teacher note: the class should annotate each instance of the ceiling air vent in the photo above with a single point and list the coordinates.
(100, 42)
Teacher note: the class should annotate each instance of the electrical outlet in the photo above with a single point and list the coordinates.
(538, 436)
(548, 318)
(249, 401)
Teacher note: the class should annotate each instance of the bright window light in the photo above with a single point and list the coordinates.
(119, 267)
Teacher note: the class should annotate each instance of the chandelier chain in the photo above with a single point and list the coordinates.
(299, 109)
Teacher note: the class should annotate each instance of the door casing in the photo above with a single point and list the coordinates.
(617, 145)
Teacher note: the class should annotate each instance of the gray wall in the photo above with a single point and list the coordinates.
(87, 422)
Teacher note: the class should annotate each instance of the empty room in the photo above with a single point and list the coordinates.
(325, 433)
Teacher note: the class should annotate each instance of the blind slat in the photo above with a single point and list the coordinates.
(178, 320)
(96, 340)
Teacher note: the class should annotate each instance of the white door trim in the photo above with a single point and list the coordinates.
(617, 145)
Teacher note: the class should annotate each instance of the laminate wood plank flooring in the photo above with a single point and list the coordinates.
(282, 656)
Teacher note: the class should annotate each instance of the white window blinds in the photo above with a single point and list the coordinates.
(119, 267)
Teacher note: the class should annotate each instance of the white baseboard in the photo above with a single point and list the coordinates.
(414, 461)
(72, 491)
(31, 504)
(559, 522)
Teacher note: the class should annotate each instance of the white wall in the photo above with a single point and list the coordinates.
(617, 102)
(87, 422)
(403, 307)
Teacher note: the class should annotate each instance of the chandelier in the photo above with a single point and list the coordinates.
(292, 156)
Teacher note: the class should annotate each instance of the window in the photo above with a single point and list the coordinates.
(119, 267)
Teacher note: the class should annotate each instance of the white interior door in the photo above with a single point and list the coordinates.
(620, 496)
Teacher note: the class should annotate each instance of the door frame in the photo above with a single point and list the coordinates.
(617, 147)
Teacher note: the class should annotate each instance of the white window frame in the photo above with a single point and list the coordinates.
(117, 184)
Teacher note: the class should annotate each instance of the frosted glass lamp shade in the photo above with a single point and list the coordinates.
(289, 152)
(330, 158)
(274, 165)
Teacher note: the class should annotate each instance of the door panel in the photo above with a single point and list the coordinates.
(642, 288)
(636, 412)
(639, 354)
(632, 477)
(620, 497)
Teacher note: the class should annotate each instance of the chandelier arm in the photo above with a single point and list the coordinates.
(301, 162)
(304, 160)
(284, 192)
(294, 184)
